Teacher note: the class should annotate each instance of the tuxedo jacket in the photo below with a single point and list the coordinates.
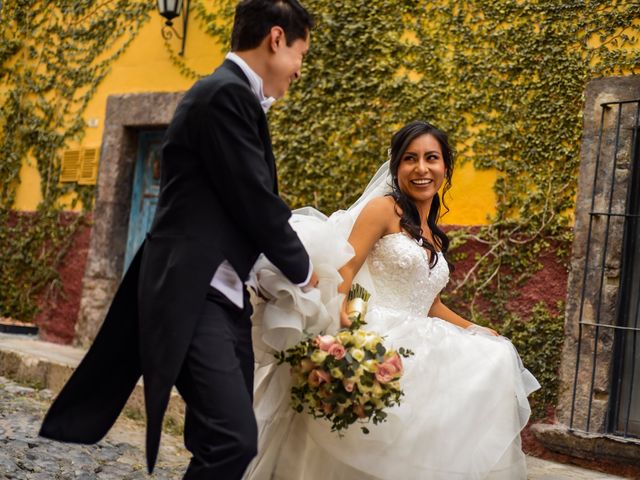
(218, 200)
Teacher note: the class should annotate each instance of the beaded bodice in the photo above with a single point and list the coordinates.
(401, 275)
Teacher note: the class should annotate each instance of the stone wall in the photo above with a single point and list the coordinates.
(126, 116)
(594, 278)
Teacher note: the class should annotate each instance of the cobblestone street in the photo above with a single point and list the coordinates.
(24, 455)
(120, 456)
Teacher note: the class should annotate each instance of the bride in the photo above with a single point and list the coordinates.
(465, 388)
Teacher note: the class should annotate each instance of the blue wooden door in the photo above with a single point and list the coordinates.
(146, 188)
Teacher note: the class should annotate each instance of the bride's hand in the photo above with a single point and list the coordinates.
(345, 321)
(492, 332)
(482, 330)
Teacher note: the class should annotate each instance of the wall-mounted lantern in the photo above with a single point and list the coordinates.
(171, 9)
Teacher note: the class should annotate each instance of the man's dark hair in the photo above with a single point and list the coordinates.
(255, 18)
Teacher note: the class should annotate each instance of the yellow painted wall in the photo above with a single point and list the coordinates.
(28, 194)
(471, 198)
(146, 67)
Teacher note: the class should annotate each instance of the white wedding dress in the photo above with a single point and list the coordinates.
(465, 399)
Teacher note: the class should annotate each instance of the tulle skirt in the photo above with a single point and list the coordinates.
(464, 406)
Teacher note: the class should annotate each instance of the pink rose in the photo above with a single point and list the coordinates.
(306, 365)
(359, 411)
(317, 377)
(323, 342)
(396, 362)
(337, 350)
(385, 372)
(349, 384)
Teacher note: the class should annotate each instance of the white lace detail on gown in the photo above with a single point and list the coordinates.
(400, 271)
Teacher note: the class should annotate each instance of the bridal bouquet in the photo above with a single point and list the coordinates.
(347, 377)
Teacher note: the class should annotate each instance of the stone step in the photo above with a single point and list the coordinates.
(45, 365)
(539, 469)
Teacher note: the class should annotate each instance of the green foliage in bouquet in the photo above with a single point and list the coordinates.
(347, 378)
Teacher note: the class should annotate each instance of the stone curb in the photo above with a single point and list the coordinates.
(588, 445)
(44, 365)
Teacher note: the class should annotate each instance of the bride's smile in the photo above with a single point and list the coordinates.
(422, 170)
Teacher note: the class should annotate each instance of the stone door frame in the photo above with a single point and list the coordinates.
(594, 383)
(125, 117)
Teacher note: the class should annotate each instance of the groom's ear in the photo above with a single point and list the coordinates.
(276, 38)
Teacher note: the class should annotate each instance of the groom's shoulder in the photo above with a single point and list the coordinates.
(222, 79)
(228, 73)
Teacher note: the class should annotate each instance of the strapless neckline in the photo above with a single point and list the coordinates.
(402, 276)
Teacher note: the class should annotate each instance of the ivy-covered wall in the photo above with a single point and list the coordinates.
(53, 57)
(505, 79)
(58, 63)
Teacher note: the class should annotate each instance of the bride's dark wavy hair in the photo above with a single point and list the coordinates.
(410, 218)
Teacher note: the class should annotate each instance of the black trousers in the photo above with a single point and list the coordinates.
(216, 383)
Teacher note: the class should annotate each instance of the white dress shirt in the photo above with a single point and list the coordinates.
(226, 280)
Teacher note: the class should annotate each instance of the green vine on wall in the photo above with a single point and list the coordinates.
(53, 57)
(504, 78)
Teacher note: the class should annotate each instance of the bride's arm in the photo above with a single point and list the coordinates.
(440, 310)
(373, 223)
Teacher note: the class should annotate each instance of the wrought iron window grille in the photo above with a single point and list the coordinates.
(609, 311)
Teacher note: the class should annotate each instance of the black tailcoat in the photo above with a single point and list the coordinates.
(218, 200)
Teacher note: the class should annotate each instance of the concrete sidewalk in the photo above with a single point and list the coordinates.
(44, 365)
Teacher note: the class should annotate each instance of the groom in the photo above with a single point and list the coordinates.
(181, 315)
